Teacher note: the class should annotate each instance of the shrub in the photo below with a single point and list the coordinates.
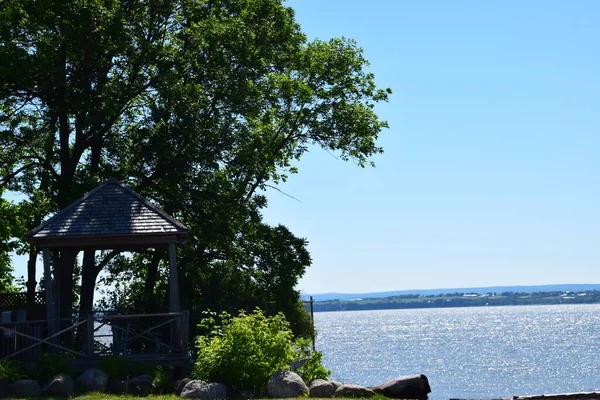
(119, 367)
(163, 379)
(313, 367)
(300, 319)
(48, 365)
(244, 351)
(11, 370)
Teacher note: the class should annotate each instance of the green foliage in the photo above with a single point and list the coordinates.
(312, 368)
(48, 365)
(200, 106)
(10, 231)
(299, 318)
(11, 370)
(118, 367)
(244, 351)
(163, 379)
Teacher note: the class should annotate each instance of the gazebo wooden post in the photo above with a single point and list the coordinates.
(50, 307)
(174, 305)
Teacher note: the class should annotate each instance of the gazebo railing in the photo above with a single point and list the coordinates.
(141, 336)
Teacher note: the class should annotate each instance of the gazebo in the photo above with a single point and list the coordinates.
(111, 216)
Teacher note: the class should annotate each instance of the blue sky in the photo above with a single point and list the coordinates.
(491, 168)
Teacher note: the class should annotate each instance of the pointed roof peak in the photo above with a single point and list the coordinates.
(110, 210)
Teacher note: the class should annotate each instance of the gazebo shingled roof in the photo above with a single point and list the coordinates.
(112, 215)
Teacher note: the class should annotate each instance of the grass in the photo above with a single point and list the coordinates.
(104, 396)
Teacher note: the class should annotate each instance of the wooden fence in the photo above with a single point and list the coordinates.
(161, 337)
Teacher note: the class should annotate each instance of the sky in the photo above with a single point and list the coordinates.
(491, 169)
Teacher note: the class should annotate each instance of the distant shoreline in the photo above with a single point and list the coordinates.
(460, 299)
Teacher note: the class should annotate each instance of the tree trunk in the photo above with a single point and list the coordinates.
(88, 282)
(151, 277)
(63, 280)
(64, 273)
(89, 272)
(31, 269)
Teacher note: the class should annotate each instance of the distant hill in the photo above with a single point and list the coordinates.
(479, 290)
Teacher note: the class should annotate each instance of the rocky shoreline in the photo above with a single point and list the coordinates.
(283, 384)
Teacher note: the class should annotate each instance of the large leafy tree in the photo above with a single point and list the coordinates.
(199, 105)
(10, 229)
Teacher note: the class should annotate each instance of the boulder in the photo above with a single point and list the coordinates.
(336, 384)
(59, 385)
(179, 385)
(25, 388)
(118, 386)
(352, 390)
(141, 386)
(321, 388)
(405, 387)
(285, 384)
(93, 380)
(204, 391)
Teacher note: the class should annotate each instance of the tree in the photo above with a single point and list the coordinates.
(199, 105)
(8, 231)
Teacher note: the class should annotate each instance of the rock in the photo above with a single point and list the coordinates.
(336, 384)
(190, 388)
(321, 388)
(179, 385)
(141, 386)
(285, 384)
(25, 388)
(203, 390)
(352, 390)
(93, 380)
(118, 386)
(59, 385)
(405, 387)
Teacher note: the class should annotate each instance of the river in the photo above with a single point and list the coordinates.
(483, 352)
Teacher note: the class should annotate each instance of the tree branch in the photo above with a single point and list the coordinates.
(284, 193)
(105, 261)
(9, 177)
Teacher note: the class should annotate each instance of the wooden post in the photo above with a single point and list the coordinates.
(174, 305)
(185, 332)
(312, 321)
(50, 308)
(90, 334)
(56, 284)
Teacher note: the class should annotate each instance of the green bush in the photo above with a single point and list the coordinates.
(313, 367)
(163, 379)
(244, 351)
(11, 370)
(119, 367)
(48, 365)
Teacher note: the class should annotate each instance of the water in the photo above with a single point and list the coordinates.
(485, 352)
